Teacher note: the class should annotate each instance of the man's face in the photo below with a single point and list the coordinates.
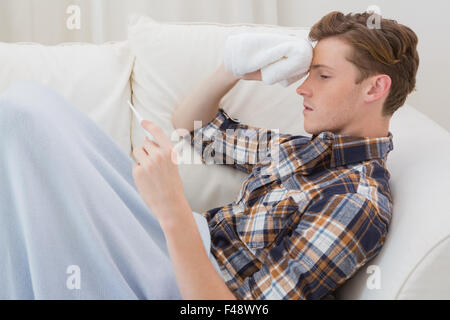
(331, 92)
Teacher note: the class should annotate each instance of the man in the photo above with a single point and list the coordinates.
(303, 224)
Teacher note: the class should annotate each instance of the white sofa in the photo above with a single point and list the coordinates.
(161, 62)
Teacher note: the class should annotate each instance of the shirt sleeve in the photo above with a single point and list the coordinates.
(335, 237)
(226, 141)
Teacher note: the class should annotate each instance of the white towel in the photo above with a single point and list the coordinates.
(281, 58)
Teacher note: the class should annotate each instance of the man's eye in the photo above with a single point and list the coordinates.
(323, 76)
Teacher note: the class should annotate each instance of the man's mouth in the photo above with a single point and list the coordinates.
(307, 108)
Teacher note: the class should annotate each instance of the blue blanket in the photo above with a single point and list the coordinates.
(72, 224)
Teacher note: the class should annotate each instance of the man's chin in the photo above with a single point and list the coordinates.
(312, 131)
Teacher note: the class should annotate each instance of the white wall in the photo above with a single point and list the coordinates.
(44, 21)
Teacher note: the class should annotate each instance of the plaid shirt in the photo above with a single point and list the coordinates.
(311, 212)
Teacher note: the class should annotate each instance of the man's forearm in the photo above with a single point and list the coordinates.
(202, 103)
(196, 276)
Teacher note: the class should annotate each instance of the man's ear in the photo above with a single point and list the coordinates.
(378, 87)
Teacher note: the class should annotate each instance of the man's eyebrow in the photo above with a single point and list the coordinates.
(315, 66)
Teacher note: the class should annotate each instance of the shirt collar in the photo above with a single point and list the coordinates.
(347, 149)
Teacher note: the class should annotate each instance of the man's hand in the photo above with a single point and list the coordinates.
(255, 75)
(159, 184)
(156, 176)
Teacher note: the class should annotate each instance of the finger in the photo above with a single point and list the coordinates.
(150, 146)
(140, 155)
(157, 133)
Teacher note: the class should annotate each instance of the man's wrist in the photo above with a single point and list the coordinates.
(176, 217)
(228, 75)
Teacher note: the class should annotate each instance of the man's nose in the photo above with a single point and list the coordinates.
(302, 90)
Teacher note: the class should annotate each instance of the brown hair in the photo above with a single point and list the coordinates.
(389, 49)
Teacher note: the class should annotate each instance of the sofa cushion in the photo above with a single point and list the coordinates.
(173, 58)
(94, 78)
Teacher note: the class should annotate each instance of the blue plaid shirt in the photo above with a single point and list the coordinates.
(311, 212)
